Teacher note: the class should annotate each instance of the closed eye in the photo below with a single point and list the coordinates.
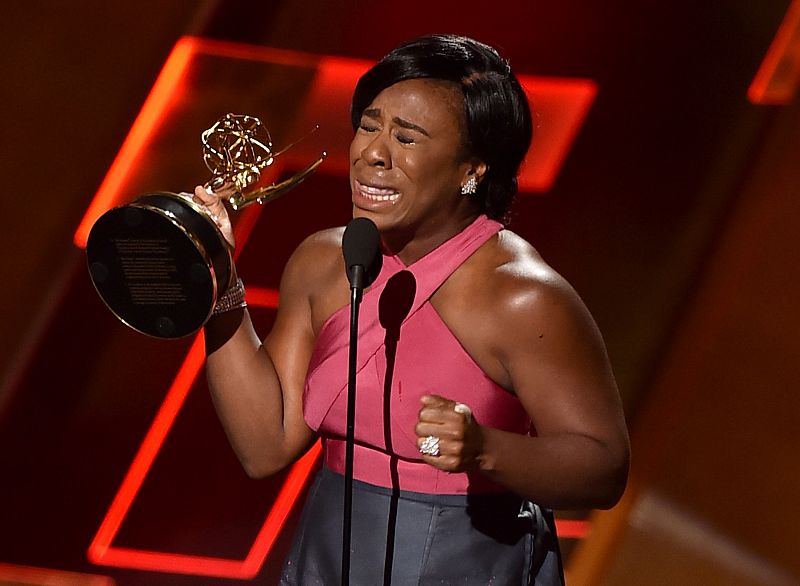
(370, 120)
(404, 139)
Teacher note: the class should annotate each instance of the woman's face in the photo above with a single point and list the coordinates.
(407, 161)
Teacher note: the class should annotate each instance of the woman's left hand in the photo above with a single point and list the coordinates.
(460, 439)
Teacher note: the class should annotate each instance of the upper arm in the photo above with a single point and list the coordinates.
(290, 342)
(556, 361)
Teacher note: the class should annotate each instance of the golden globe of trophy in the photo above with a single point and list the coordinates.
(160, 263)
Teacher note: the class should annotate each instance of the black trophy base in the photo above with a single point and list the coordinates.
(159, 264)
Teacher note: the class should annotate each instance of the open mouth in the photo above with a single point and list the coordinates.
(377, 193)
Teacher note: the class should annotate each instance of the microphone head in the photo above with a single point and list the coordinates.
(361, 247)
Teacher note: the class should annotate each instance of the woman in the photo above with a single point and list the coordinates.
(483, 383)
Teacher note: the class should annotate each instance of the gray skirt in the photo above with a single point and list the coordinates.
(406, 538)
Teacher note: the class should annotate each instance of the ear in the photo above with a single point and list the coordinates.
(476, 168)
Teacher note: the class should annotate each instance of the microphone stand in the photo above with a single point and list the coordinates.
(355, 303)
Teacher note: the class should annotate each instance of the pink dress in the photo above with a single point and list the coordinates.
(411, 522)
(405, 351)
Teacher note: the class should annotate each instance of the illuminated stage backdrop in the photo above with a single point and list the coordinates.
(291, 92)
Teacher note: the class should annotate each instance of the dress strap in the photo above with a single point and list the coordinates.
(328, 365)
(434, 268)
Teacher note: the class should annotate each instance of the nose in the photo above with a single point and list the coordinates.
(376, 152)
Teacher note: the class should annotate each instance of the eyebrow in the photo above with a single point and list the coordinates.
(375, 113)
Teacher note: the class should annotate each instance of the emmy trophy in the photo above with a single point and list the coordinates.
(160, 263)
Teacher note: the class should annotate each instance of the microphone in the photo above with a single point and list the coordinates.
(363, 260)
(361, 249)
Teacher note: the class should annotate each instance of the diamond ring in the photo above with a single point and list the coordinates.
(430, 446)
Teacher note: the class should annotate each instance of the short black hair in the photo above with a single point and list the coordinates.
(497, 113)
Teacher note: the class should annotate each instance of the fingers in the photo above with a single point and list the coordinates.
(445, 462)
(452, 424)
(450, 455)
(444, 432)
(436, 409)
(205, 196)
(212, 202)
(464, 410)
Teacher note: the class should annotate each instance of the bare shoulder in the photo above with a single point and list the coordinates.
(532, 304)
(316, 258)
(525, 299)
(326, 244)
(315, 275)
(504, 277)
(519, 278)
(508, 276)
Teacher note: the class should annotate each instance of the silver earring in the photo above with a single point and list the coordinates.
(470, 187)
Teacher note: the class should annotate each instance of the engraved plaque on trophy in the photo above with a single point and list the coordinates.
(160, 263)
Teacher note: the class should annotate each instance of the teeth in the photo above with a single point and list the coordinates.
(391, 198)
(377, 190)
(378, 194)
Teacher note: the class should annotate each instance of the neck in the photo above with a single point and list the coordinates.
(410, 247)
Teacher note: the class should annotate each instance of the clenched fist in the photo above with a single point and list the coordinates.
(460, 439)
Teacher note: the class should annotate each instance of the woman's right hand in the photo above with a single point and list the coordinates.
(212, 202)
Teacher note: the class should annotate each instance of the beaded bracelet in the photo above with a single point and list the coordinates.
(232, 299)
